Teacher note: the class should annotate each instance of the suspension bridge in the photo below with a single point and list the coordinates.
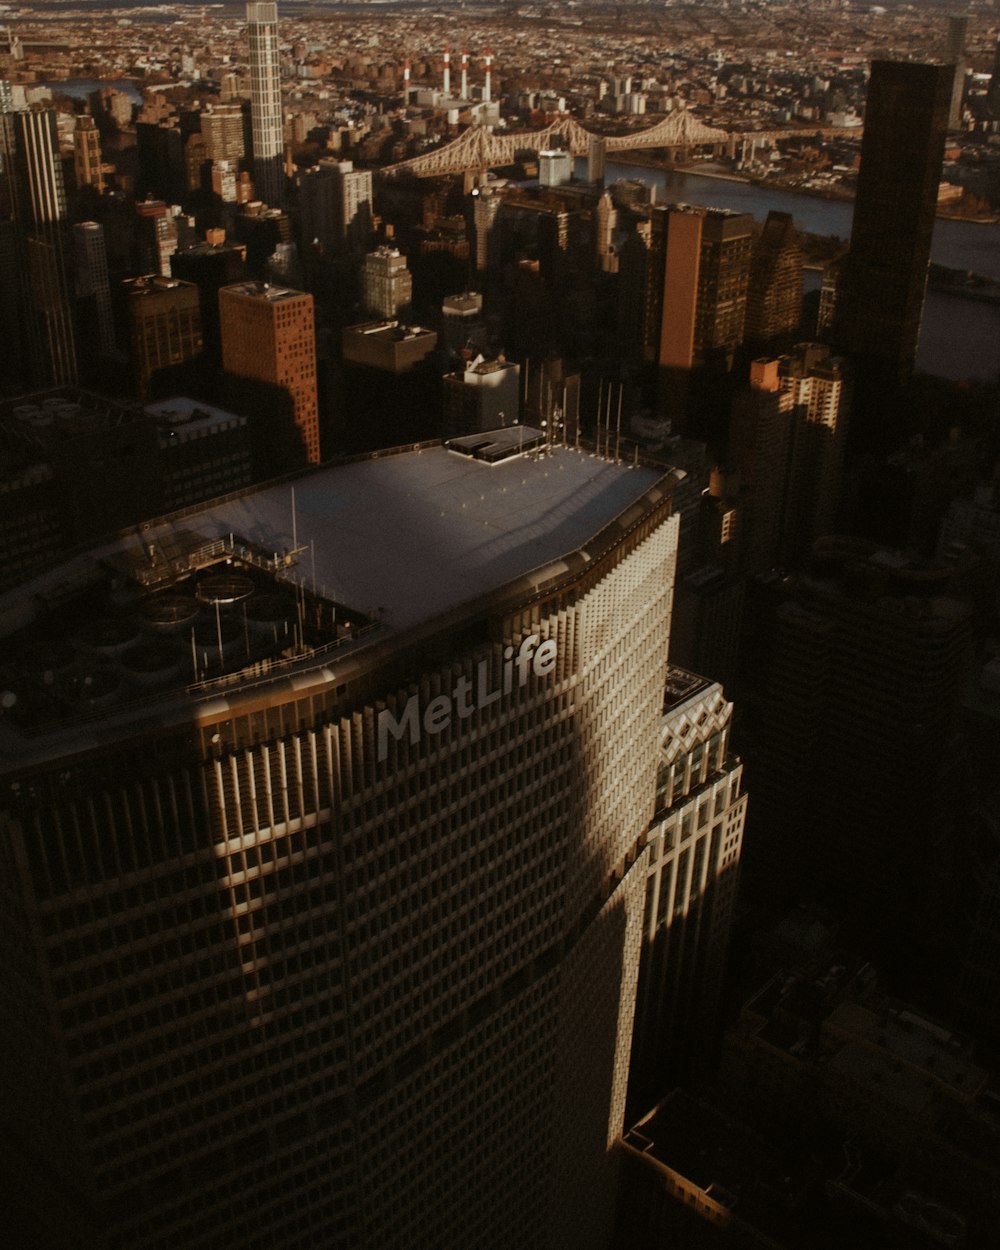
(481, 148)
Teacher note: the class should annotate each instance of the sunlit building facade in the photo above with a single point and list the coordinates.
(330, 935)
(265, 101)
(268, 335)
(695, 844)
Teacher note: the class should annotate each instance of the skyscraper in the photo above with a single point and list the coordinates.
(817, 386)
(880, 300)
(92, 288)
(222, 131)
(759, 440)
(341, 948)
(87, 154)
(860, 669)
(672, 287)
(695, 838)
(165, 328)
(269, 336)
(787, 442)
(696, 296)
(723, 282)
(485, 207)
(36, 200)
(386, 283)
(774, 292)
(210, 264)
(265, 101)
(156, 236)
(336, 206)
(958, 28)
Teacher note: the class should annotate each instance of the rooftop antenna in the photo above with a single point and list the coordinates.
(600, 405)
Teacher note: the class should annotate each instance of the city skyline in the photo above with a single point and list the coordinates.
(500, 688)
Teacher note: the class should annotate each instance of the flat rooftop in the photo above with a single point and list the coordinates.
(415, 534)
(395, 539)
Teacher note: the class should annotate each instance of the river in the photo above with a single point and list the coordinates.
(960, 338)
(80, 88)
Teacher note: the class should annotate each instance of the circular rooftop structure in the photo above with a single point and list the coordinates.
(224, 588)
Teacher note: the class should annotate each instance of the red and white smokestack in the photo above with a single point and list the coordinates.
(465, 74)
(446, 87)
(486, 84)
(406, 80)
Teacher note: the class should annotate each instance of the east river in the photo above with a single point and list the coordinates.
(960, 337)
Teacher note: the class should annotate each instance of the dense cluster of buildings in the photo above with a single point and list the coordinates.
(379, 557)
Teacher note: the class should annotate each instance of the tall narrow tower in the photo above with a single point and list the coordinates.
(265, 100)
(36, 200)
(958, 27)
(92, 289)
(87, 154)
(881, 297)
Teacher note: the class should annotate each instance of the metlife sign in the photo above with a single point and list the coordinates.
(467, 696)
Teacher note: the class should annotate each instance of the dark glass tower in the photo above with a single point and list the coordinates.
(881, 299)
(33, 201)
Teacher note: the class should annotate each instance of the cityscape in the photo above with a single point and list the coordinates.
(500, 616)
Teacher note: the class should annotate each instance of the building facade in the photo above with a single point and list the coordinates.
(386, 283)
(222, 130)
(269, 336)
(210, 264)
(787, 442)
(695, 840)
(483, 395)
(336, 206)
(774, 292)
(87, 168)
(697, 276)
(880, 299)
(164, 326)
(265, 101)
(35, 198)
(156, 236)
(92, 289)
(342, 948)
(954, 54)
(859, 665)
(818, 388)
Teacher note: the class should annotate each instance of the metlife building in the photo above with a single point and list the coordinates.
(323, 824)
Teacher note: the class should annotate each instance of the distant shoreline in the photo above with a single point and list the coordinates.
(835, 194)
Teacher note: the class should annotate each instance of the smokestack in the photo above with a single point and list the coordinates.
(447, 72)
(465, 74)
(406, 80)
(486, 85)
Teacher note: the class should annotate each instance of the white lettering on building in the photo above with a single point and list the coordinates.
(467, 696)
